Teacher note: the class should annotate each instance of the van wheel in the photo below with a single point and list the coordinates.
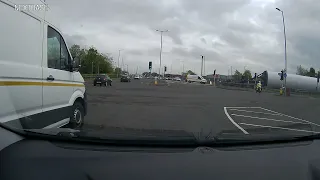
(77, 116)
(94, 84)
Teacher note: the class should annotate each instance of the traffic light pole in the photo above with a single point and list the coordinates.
(255, 81)
(285, 52)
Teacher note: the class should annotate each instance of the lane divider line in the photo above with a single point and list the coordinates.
(255, 112)
(268, 119)
(275, 127)
(233, 122)
(280, 114)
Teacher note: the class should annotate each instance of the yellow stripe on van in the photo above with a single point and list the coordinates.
(28, 83)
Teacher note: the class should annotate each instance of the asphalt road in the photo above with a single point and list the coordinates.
(195, 108)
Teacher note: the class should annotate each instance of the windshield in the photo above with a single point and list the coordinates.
(217, 70)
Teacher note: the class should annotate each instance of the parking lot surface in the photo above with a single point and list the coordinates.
(194, 108)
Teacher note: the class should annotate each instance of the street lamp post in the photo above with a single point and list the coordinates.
(202, 57)
(161, 31)
(182, 61)
(285, 51)
(119, 62)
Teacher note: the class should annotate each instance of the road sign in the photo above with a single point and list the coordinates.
(284, 74)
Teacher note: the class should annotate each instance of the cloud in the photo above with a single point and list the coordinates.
(229, 33)
(203, 40)
(75, 39)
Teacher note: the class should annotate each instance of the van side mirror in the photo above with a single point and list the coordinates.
(76, 64)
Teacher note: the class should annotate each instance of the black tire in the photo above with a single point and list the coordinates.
(77, 116)
(94, 84)
(105, 84)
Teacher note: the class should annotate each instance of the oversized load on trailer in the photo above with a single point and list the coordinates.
(293, 81)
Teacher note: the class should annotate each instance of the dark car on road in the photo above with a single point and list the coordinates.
(125, 78)
(102, 79)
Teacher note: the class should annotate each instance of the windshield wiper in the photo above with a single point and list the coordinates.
(121, 136)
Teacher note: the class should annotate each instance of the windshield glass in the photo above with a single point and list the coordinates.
(210, 69)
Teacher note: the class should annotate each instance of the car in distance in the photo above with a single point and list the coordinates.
(102, 79)
(125, 78)
(137, 77)
(177, 79)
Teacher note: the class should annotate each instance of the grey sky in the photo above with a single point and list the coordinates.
(229, 33)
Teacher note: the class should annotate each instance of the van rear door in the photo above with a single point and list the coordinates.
(20, 66)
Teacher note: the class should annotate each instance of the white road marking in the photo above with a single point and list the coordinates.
(244, 107)
(280, 114)
(232, 121)
(268, 119)
(255, 112)
(279, 128)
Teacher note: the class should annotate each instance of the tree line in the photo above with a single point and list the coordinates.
(305, 72)
(246, 75)
(94, 62)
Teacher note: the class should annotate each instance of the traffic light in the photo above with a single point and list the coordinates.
(165, 69)
(318, 77)
(214, 72)
(255, 76)
(281, 76)
(150, 65)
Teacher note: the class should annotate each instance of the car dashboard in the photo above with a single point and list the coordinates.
(48, 159)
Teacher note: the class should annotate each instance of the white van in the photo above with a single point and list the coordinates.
(196, 78)
(40, 86)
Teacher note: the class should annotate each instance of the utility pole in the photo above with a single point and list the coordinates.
(161, 32)
(119, 63)
(122, 65)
